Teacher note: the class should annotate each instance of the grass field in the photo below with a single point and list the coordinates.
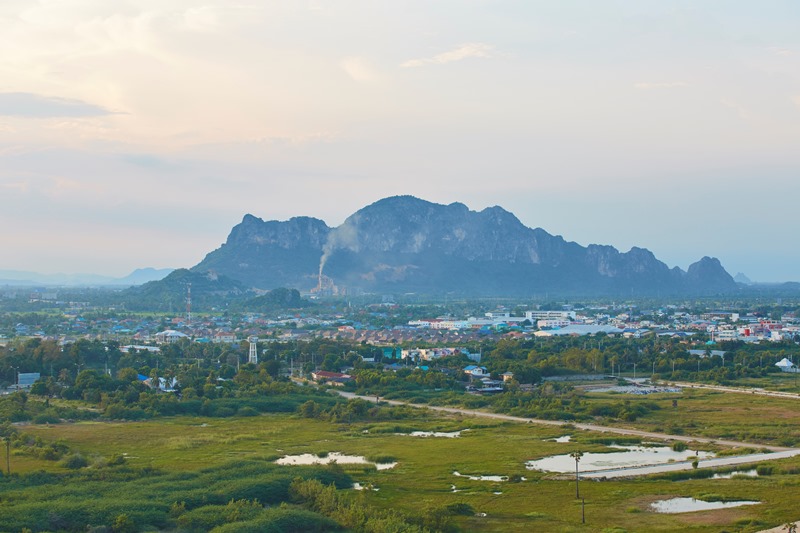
(424, 475)
(719, 415)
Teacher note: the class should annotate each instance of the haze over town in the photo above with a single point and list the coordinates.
(138, 133)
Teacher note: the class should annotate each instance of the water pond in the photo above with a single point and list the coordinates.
(482, 478)
(333, 457)
(689, 505)
(626, 457)
(738, 473)
(359, 486)
(446, 435)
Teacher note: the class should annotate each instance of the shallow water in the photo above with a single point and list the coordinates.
(689, 505)
(447, 435)
(482, 478)
(630, 457)
(340, 458)
(739, 473)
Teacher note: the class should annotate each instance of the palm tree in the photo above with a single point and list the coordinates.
(577, 456)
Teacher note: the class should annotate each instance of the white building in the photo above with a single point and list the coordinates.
(534, 316)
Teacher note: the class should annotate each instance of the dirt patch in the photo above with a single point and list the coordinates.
(717, 517)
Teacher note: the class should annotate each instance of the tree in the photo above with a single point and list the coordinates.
(577, 456)
(7, 431)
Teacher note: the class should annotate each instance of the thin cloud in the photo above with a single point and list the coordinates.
(779, 51)
(358, 69)
(464, 51)
(660, 85)
(37, 106)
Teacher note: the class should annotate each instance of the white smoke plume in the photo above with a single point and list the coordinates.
(345, 237)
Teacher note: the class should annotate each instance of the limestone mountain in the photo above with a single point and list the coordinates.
(404, 244)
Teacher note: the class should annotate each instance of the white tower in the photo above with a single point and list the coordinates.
(253, 356)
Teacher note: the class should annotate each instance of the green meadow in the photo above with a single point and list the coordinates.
(167, 460)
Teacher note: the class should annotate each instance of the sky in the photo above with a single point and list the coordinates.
(137, 133)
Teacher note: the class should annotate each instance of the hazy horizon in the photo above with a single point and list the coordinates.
(138, 133)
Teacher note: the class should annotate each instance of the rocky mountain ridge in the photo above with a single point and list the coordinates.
(405, 244)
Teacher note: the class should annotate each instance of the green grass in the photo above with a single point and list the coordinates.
(718, 415)
(424, 475)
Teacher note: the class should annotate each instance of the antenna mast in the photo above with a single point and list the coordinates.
(189, 304)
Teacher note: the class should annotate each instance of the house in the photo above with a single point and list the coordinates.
(169, 336)
(786, 366)
(476, 371)
(507, 376)
(224, 337)
(332, 377)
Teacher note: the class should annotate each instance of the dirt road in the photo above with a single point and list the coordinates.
(778, 452)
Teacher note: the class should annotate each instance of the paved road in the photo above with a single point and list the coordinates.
(779, 452)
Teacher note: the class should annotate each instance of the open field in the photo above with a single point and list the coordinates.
(424, 475)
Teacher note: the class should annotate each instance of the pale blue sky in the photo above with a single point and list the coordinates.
(137, 133)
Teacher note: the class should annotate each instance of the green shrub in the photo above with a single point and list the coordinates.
(75, 461)
(765, 470)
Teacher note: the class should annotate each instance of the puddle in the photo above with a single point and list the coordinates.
(734, 475)
(359, 486)
(631, 456)
(339, 458)
(454, 489)
(565, 438)
(689, 505)
(450, 435)
(482, 478)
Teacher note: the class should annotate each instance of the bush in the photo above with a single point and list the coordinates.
(75, 461)
(460, 508)
(765, 470)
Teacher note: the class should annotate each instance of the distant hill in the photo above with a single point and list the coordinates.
(144, 275)
(279, 299)
(137, 277)
(171, 293)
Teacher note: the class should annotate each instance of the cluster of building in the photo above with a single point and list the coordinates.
(721, 326)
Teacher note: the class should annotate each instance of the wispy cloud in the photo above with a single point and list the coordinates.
(358, 69)
(38, 106)
(779, 50)
(660, 85)
(740, 110)
(464, 51)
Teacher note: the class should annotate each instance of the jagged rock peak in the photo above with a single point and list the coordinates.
(404, 243)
